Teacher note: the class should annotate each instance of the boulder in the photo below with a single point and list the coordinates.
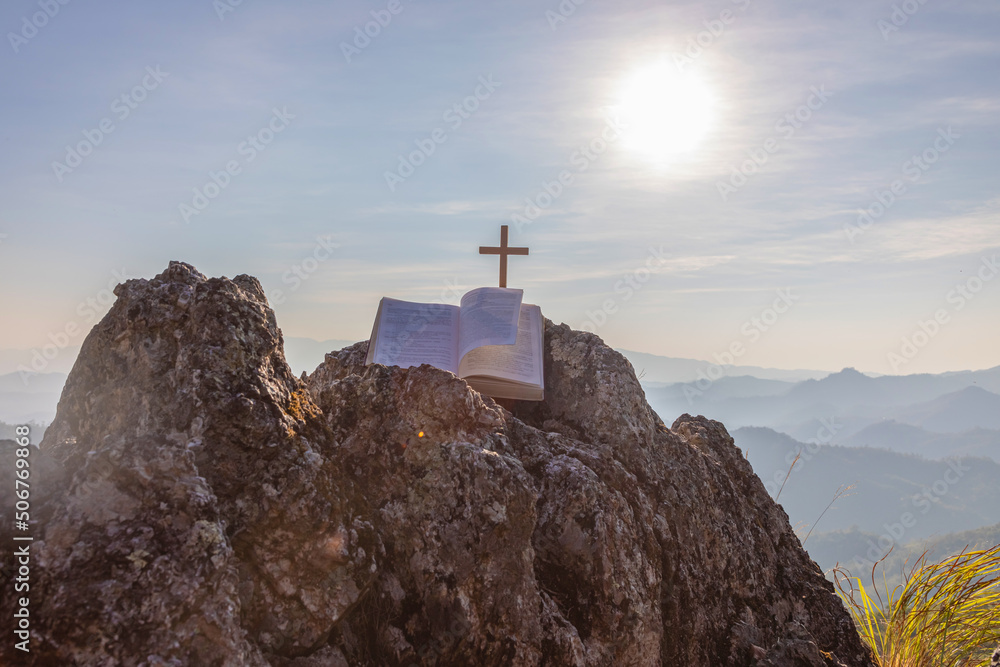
(204, 506)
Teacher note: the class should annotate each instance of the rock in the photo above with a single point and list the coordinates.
(199, 518)
(211, 508)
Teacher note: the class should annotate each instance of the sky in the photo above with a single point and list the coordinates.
(782, 184)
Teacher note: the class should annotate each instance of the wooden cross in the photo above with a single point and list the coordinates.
(503, 251)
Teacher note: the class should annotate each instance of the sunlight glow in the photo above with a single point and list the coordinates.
(667, 113)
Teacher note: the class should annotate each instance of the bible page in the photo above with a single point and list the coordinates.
(521, 362)
(410, 334)
(489, 316)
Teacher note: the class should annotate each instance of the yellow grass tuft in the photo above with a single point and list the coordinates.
(944, 614)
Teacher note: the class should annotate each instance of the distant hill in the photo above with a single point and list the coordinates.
(910, 439)
(840, 548)
(35, 431)
(942, 546)
(740, 386)
(940, 496)
(34, 400)
(656, 368)
(836, 388)
(849, 387)
(891, 434)
(971, 407)
(851, 400)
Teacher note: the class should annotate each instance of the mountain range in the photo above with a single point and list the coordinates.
(931, 415)
(850, 504)
(840, 548)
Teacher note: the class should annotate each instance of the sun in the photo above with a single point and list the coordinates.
(666, 113)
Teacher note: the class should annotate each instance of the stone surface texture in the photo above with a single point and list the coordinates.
(202, 506)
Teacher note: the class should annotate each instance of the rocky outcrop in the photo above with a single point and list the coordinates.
(204, 506)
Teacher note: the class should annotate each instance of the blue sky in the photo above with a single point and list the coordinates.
(659, 251)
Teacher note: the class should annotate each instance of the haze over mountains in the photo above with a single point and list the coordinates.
(919, 453)
(933, 415)
(941, 496)
(655, 370)
(31, 401)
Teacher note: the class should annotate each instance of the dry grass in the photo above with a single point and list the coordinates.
(944, 614)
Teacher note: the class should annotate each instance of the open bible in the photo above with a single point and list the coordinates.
(492, 340)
